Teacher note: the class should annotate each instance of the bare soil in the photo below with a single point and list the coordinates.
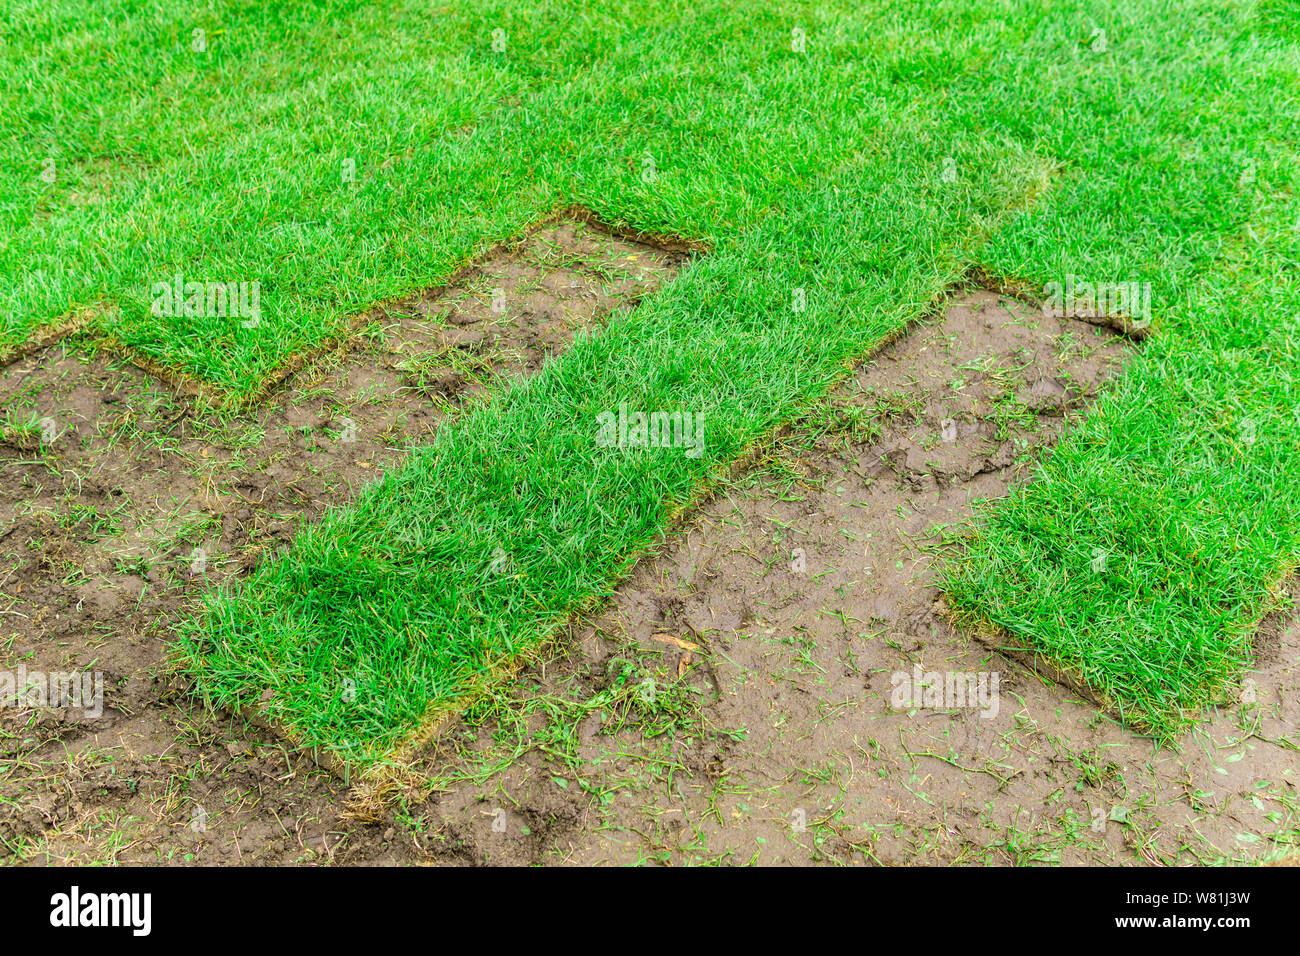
(731, 703)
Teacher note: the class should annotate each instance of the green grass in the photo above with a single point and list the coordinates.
(1185, 480)
(1163, 152)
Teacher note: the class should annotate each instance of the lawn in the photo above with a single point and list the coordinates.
(842, 164)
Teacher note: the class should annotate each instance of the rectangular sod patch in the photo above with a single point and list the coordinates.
(1159, 534)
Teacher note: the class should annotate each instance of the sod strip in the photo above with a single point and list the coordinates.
(1159, 534)
(402, 598)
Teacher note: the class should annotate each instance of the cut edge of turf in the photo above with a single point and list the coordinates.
(1027, 291)
(84, 321)
(340, 341)
(82, 324)
(1163, 726)
(72, 323)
